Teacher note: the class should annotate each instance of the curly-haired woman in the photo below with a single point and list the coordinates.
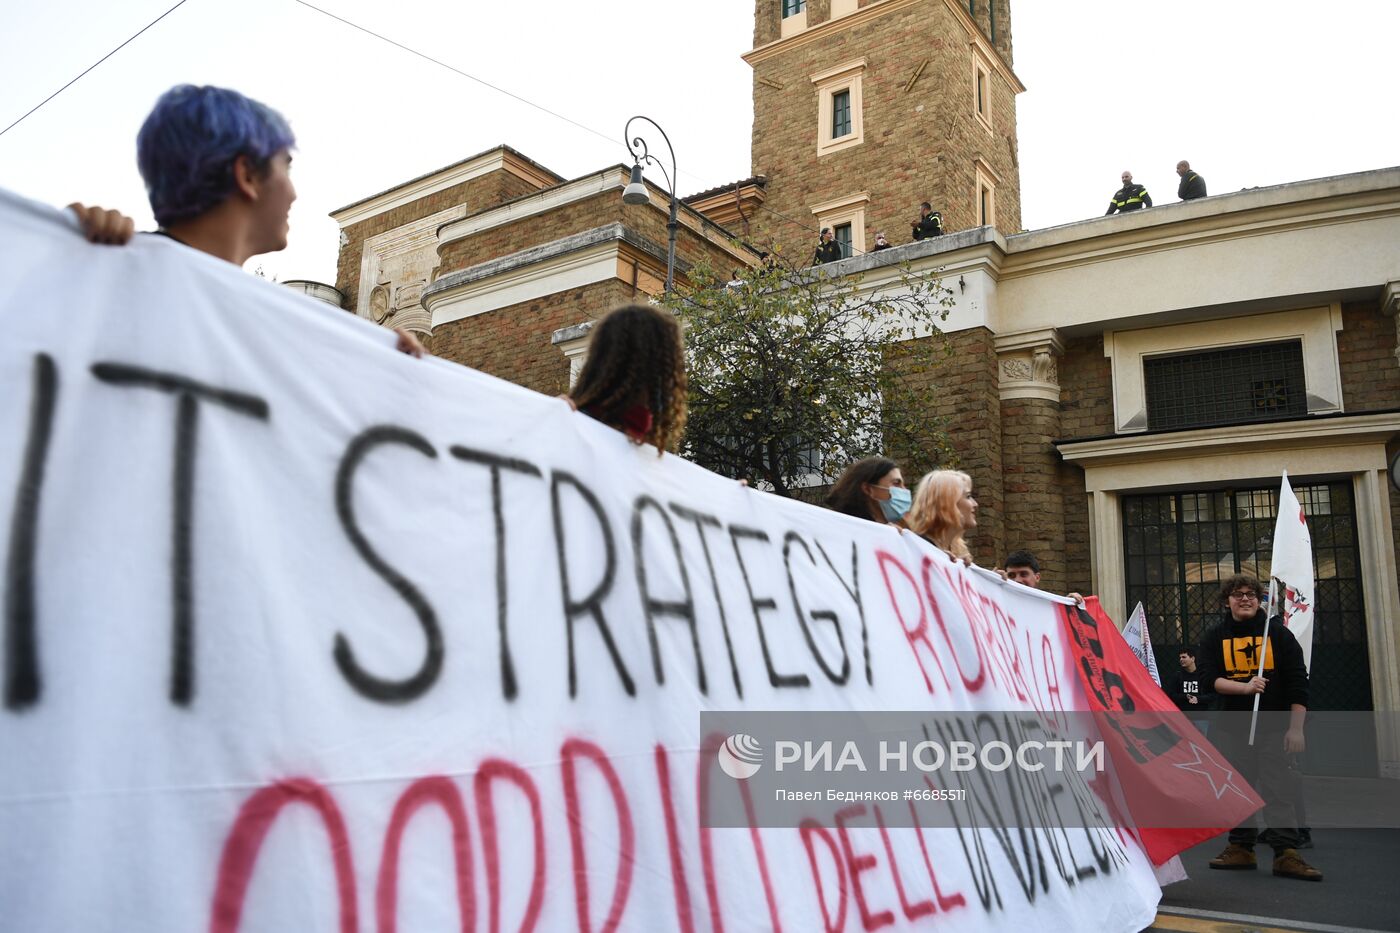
(634, 379)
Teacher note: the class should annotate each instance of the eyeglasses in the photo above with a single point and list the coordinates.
(1245, 596)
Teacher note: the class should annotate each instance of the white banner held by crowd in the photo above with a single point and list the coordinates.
(303, 633)
(1292, 566)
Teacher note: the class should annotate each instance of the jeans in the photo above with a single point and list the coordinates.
(1265, 766)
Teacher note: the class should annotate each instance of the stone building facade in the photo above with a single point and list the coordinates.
(862, 111)
(1125, 391)
(388, 241)
(491, 258)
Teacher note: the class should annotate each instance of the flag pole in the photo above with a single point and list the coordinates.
(1263, 653)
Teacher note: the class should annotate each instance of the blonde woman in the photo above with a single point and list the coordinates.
(944, 511)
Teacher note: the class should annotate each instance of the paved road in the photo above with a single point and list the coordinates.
(1361, 891)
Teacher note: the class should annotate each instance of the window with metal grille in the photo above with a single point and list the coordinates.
(843, 239)
(1178, 547)
(1238, 384)
(840, 114)
(793, 7)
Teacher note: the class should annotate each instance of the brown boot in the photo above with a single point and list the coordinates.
(1287, 864)
(1238, 858)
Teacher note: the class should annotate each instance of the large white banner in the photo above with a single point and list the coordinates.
(301, 633)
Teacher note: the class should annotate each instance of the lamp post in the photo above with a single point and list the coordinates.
(636, 191)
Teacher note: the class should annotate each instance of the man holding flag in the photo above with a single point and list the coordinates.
(1246, 662)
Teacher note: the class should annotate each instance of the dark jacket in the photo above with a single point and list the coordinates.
(1192, 186)
(1231, 650)
(1186, 684)
(829, 251)
(932, 225)
(879, 246)
(1129, 198)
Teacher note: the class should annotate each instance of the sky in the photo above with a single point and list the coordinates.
(1252, 92)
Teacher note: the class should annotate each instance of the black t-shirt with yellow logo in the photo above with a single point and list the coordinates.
(1231, 650)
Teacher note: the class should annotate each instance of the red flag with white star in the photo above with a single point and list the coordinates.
(1177, 788)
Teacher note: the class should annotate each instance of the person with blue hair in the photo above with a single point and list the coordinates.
(217, 168)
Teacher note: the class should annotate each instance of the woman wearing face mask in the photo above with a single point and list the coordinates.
(872, 489)
(944, 511)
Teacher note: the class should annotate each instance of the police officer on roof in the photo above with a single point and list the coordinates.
(828, 250)
(1192, 186)
(929, 224)
(1130, 197)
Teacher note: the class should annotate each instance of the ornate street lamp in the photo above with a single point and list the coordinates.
(636, 191)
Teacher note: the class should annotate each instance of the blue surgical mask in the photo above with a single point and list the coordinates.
(897, 504)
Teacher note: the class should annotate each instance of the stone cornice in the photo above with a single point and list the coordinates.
(1248, 213)
(1390, 301)
(1325, 431)
(317, 290)
(725, 209)
(536, 255)
(1390, 306)
(572, 332)
(501, 158)
(947, 256)
(613, 178)
(750, 192)
(847, 200)
(530, 171)
(987, 169)
(840, 71)
(1029, 340)
(572, 262)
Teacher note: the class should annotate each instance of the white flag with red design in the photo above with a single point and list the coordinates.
(1291, 596)
(1136, 635)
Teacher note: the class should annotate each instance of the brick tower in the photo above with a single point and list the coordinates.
(864, 108)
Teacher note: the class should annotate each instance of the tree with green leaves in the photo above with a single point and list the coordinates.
(791, 375)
